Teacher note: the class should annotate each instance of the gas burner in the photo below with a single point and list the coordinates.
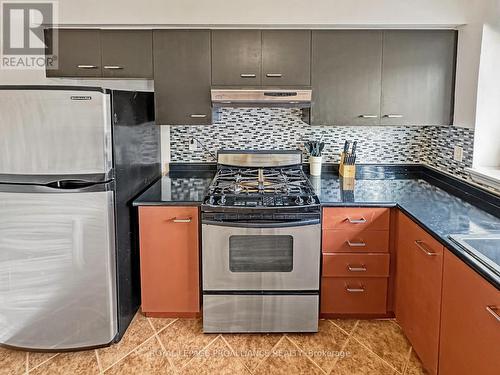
(261, 187)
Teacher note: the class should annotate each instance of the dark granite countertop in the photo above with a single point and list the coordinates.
(440, 212)
(177, 189)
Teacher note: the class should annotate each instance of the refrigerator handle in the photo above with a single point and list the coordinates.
(62, 186)
(108, 139)
(69, 184)
(109, 151)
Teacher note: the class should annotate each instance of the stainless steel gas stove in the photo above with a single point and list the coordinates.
(260, 245)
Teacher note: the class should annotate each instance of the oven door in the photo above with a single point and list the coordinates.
(261, 256)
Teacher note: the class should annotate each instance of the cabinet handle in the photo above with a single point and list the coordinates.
(186, 220)
(362, 268)
(368, 116)
(355, 290)
(356, 221)
(248, 75)
(87, 66)
(422, 246)
(112, 67)
(274, 75)
(394, 116)
(356, 244)
(493, 311)
(197, 116)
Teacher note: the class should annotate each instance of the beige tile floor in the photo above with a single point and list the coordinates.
(178, 346)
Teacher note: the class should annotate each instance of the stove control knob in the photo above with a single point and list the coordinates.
(310, 200)
(299, 201)
(211, 200)
(222, 200)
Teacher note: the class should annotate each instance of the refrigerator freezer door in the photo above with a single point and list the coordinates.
(57, 270)
(49, 134)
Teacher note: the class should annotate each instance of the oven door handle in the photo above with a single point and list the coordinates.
(246, 224)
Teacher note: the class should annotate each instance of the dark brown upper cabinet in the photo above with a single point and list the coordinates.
(255, 57)
(286, 57)
(182, 77)
(418, 77)
(394, 77)
(346, 77)
(78, 55)
(127, 53)
(236, 57)
(103, 53)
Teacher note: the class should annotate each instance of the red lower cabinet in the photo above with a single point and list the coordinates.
(356, 296)
(470, 322)
(356, 265)
(356, 262)
(418, 289)
(169, 242)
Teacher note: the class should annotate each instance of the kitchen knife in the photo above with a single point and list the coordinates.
(346, 146)
(353, 152)
(346, 150)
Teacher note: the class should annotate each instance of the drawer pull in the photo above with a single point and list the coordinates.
(86, 66)
(274, 75)
(361, 289)
(368, 116)
(112, 67)
(422, 246)
(248, 75)
(185, 220)
(356, 221)
(493, 311)
(197, 116)
(361, 268)
(394, 116)
(356, 244)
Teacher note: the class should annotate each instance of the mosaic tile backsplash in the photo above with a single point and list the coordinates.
(281, 128)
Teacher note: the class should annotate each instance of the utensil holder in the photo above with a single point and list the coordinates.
(315, 165)
(346, 171)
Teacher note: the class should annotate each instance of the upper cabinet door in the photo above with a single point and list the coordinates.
(346, 77)
(418, 77)
(286, 57)
(182, 77)
(127, 53)
(79, 54)
(236, 57)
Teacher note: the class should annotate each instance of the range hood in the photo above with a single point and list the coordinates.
(290, 98)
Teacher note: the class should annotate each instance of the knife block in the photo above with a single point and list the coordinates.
(346, 171)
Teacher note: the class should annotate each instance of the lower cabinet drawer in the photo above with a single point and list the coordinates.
(355, 265)
(341, 295)
(361, 218)
(355, 241)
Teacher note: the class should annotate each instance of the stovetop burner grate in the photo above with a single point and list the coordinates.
(261, 187)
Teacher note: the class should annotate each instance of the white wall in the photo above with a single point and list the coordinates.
(487, 135)
(467, 74)
(267, 12)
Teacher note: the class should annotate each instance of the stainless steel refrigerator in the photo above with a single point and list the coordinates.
(71, 161)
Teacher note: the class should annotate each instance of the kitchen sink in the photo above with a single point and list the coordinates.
(486, 248)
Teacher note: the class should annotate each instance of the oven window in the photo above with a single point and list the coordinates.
(261, 253)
